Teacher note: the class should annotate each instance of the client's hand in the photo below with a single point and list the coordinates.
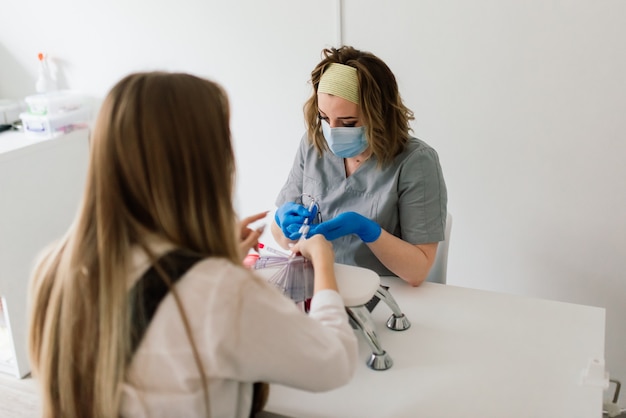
(250, 237)
(290, 217)
(317, 249)
(320, 252)
(348, 223)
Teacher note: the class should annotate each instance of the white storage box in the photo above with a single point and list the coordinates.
(50, 126)
(54, 102)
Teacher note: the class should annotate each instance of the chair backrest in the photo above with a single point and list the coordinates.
(439, 269)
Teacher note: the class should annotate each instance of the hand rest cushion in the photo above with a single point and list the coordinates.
(357, 285)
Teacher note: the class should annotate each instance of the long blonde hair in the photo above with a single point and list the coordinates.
(161, 164)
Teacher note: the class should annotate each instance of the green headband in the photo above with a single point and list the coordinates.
(340, 80)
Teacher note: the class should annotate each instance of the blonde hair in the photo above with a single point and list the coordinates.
(161, 164)
(384, 115)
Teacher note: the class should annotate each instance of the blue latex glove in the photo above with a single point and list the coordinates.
(348, 223)
(290, 218)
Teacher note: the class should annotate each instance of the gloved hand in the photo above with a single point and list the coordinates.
(290, 218)
(348, 223)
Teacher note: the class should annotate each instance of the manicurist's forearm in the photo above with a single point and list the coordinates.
(407, 261)
(279, 237)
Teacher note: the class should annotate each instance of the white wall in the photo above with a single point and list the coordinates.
(524, 100)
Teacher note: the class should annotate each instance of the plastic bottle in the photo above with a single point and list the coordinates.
(45, 83)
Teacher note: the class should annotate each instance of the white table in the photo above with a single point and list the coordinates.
(470, 353)
(41, 183)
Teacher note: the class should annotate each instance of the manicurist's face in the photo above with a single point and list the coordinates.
(337, 111)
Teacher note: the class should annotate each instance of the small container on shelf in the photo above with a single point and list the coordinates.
(54, 102)
(53, 125)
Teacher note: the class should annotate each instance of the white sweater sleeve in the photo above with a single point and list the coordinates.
(269, 339)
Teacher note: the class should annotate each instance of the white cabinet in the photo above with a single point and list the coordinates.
(41, 185)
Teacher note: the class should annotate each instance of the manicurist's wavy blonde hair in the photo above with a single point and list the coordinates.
(161, 164)
(385, 117)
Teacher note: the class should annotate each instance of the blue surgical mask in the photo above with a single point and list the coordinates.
(345, 142)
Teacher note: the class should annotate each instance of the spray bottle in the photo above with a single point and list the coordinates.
(45, 82)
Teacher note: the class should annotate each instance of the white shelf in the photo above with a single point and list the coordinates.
(7, 356)
(41, 184)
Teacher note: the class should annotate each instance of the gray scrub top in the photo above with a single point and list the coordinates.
(407, 198)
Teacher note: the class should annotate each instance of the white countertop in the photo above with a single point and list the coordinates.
(469, 353)
(12, 140)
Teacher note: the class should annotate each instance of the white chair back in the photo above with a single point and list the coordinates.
(439, 270)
